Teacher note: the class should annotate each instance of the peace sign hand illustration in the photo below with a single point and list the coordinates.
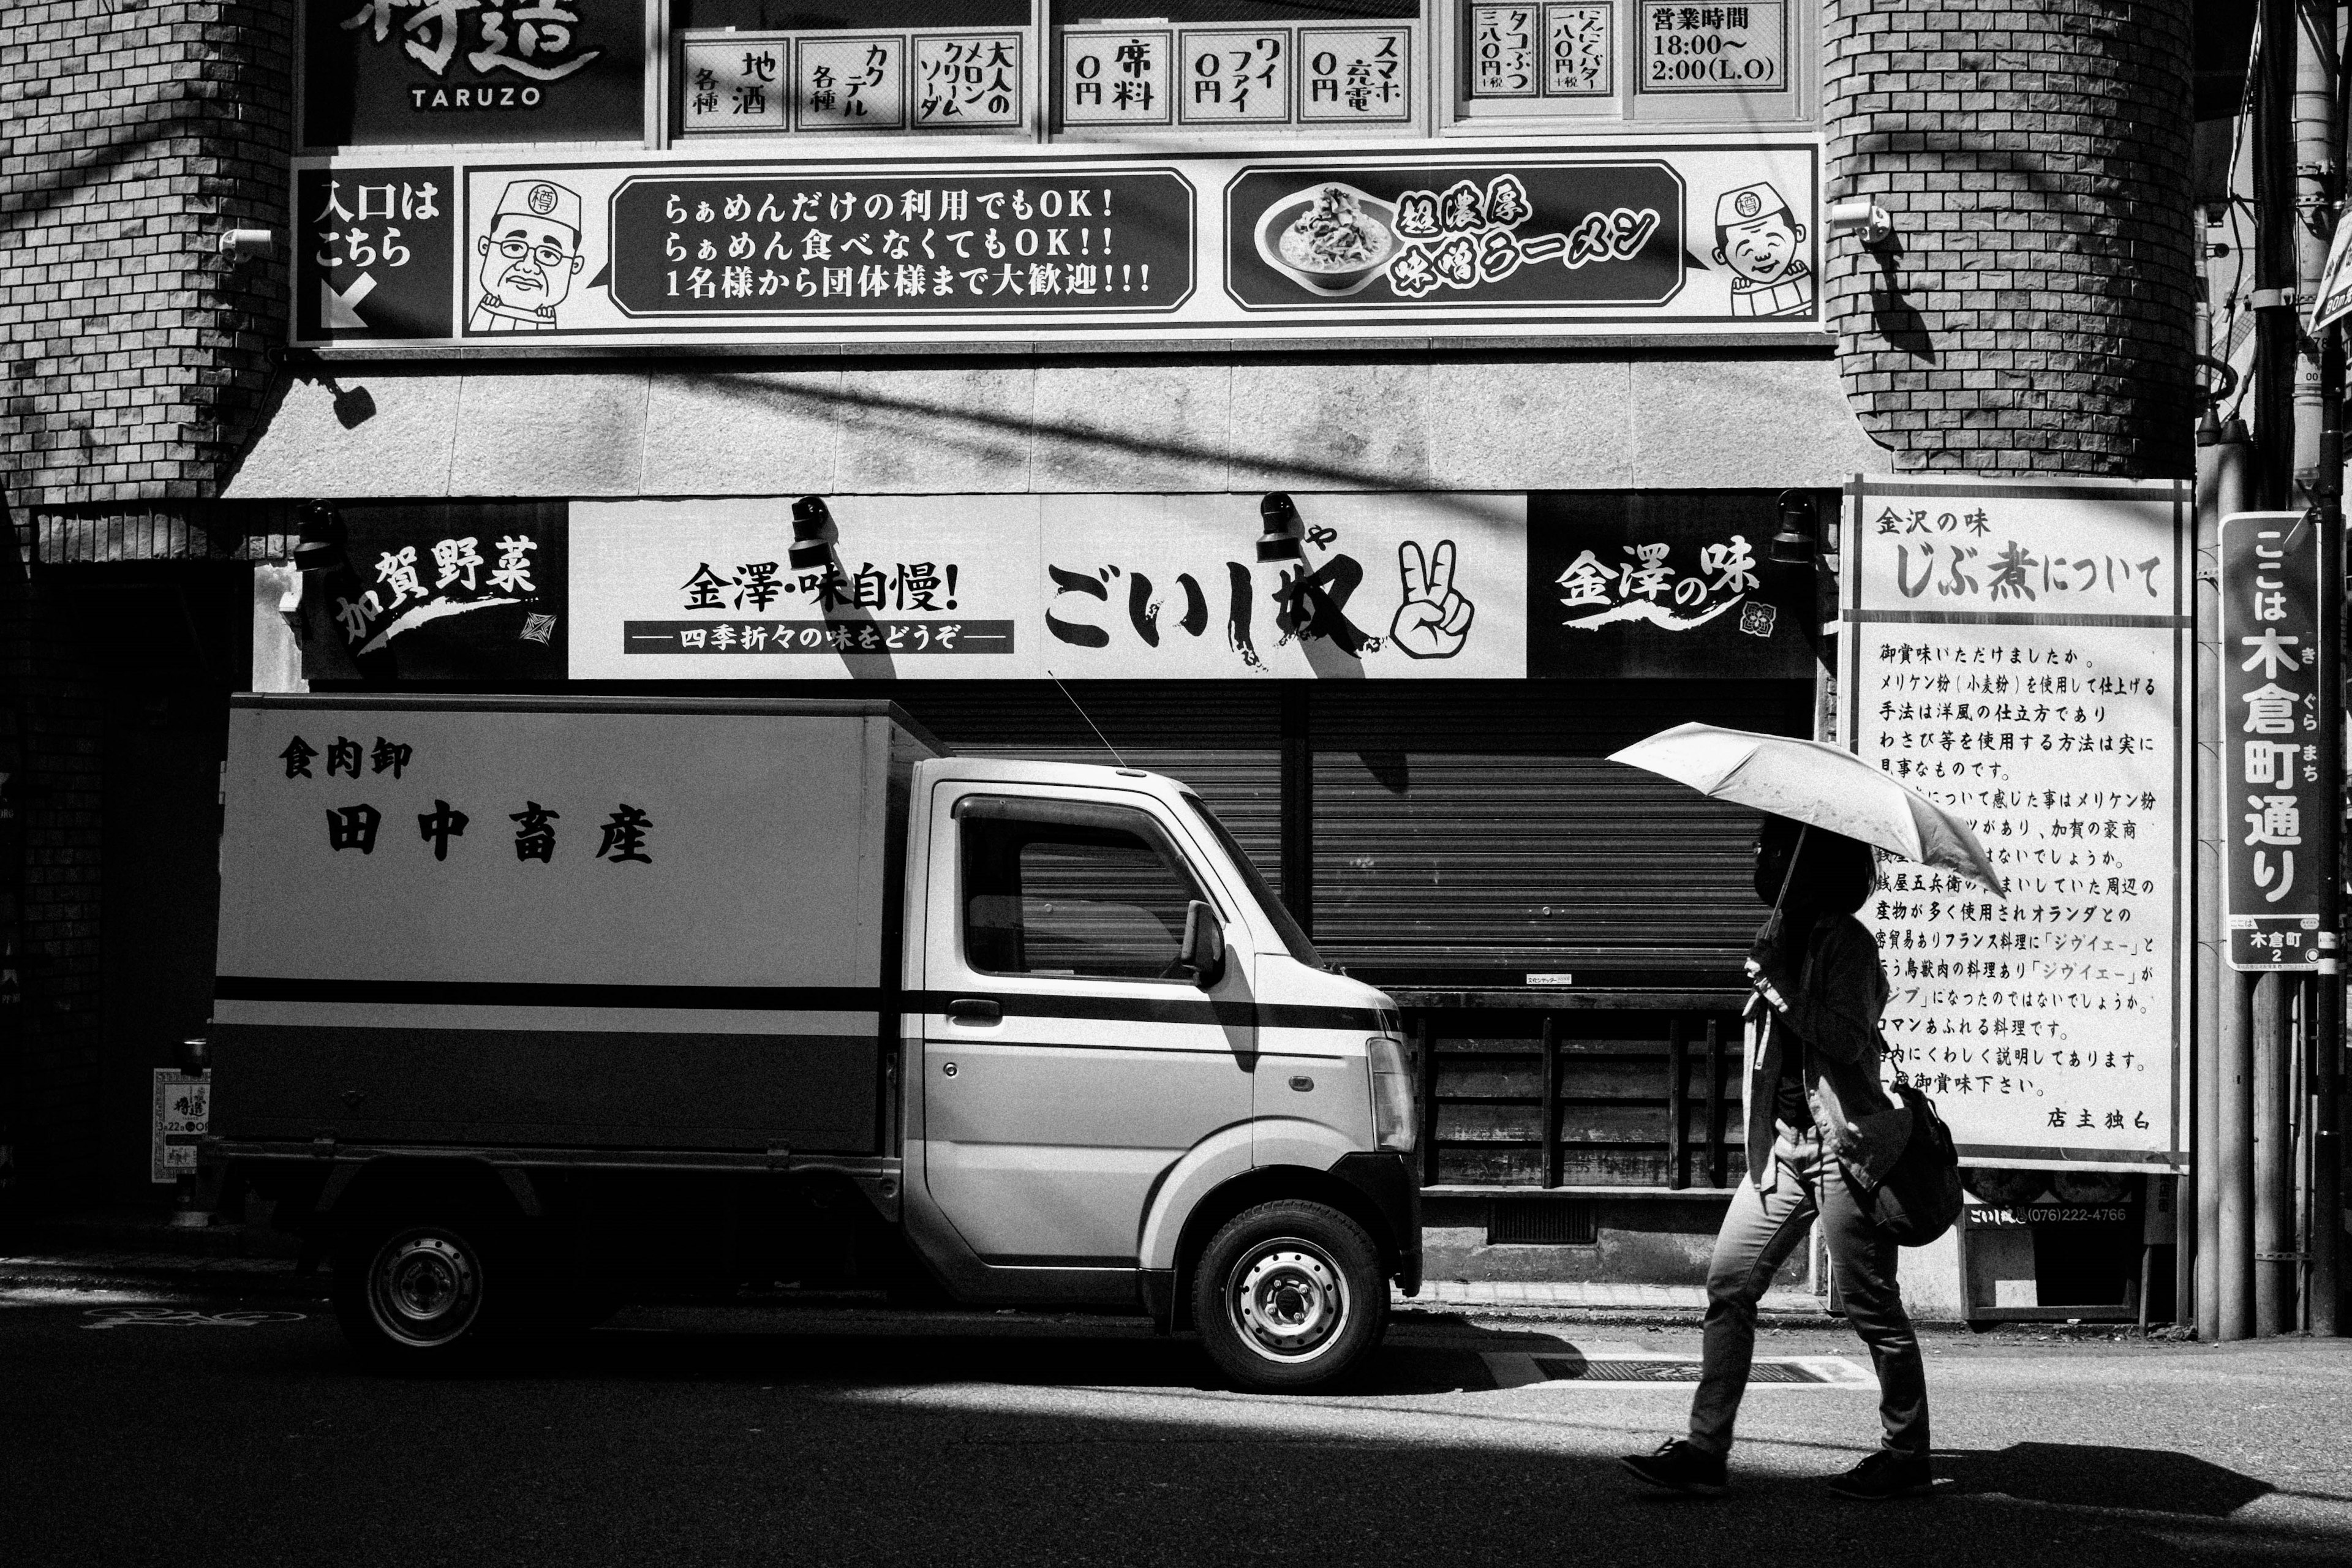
(1434, 620)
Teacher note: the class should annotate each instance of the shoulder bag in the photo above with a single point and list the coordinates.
(1919, 1198)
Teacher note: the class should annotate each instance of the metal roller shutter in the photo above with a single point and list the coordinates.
(1223, 739)
(1468, 831)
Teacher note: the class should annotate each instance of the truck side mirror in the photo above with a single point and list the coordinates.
(1205, 943)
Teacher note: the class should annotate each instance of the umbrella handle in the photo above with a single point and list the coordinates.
(1789, 876)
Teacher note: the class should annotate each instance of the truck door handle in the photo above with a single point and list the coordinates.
(973, 1010)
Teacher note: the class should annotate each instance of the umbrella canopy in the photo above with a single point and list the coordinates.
(1817, 784)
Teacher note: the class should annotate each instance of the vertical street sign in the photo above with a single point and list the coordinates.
(2276, 793)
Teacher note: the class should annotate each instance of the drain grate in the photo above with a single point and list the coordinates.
(1576, 1369)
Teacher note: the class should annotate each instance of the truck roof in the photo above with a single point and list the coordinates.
(776, 707)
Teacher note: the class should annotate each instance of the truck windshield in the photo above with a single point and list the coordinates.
(1294, 937)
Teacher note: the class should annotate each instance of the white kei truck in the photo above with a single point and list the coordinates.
(527, 1004)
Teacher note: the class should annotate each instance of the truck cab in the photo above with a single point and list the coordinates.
(848, 1013)
(1128, 1049)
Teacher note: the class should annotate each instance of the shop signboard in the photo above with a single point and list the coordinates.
(409, 73)
(1676, 235)
(438, 590)
(2020, 652)
(1023, 587)
(2273, 800)
(1662, 584)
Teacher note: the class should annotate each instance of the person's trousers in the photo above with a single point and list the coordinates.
(1758, 1235)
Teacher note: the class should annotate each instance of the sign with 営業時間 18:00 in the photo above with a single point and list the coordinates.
(491, 255)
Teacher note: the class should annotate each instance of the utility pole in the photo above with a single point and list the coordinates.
(2310, 1231)
(2319, 171)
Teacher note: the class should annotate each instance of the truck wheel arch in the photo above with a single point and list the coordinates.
(1268, 1184)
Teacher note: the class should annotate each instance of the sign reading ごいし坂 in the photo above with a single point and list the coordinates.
(1668, 235)
(2020, 653)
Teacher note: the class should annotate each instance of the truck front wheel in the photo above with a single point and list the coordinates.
(413, 1293)
(1290, 1295)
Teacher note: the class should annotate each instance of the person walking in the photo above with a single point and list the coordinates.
(1821, 1131)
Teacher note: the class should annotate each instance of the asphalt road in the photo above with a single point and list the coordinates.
(145, 1426)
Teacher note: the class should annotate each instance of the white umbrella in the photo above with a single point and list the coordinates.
(1818, 785)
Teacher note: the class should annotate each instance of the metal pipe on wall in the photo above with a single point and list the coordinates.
(2233, 1166)
(2273, 1159)
(2223, 1256)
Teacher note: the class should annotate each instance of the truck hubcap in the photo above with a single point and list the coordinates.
(425, 1287)
(1289, 1299)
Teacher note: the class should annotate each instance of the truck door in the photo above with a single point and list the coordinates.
(1068, 1060)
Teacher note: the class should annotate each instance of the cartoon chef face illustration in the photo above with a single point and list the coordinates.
(527, 259)
(1757, 238)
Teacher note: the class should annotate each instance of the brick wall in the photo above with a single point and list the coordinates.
(137, 130)
(2036, 317)
(52, 724)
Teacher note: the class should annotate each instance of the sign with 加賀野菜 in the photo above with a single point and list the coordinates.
(496, 255)
(2020, 653)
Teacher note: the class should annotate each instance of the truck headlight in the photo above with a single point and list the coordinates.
(1394, 1125)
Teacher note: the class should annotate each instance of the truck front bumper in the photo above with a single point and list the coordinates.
(1387, 1179)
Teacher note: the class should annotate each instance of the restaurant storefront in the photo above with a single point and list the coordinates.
(1373, 413)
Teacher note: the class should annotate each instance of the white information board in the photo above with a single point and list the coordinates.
(2020, 653)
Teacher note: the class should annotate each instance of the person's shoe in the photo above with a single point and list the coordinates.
(1886, 1474)
(1679, 1467)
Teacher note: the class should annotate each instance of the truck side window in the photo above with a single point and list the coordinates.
(1063, 887)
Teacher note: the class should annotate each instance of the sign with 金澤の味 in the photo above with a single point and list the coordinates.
(2020, 653)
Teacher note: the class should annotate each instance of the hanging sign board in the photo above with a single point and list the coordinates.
(2272, 797)
(1675, 234)
(1015, 587)
(2334, 300)
(2020, 653)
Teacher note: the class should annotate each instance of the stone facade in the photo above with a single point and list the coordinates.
(2033, 315)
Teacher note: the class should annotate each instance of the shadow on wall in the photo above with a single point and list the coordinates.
(1898, 321)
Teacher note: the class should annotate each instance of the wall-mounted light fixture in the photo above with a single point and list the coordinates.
(1282, 536)
(1795, 542)
(248, 244)
(1867, 219)
(812, 520)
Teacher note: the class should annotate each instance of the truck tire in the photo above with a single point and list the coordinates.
(415, 1293)
(1290, 1295)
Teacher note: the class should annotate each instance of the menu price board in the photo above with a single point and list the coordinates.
(2020, 653)
(1677, 235)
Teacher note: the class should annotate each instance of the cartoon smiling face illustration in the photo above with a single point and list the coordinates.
(527, 259)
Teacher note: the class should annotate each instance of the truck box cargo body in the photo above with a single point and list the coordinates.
(512, 990)
(619, 929)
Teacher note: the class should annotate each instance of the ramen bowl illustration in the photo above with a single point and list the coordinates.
(1329, 239)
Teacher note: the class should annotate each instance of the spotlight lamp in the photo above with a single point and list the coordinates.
(1281, 534)
(1793, 545)
(811, 521)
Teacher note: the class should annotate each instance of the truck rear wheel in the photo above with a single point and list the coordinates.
(1290, 1295)
(416, 1292)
